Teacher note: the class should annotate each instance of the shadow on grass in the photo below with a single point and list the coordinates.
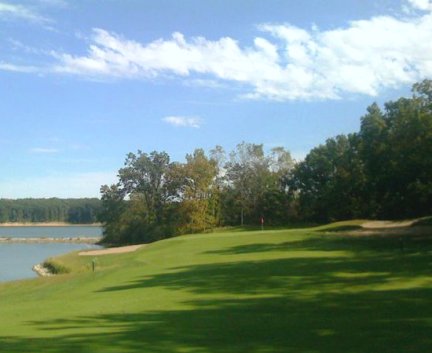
(303, 303)
(393, 244)
(294, 277)
(267, 227)
(398, 321)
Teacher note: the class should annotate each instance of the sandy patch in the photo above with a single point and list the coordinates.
(386, 224)
(119, 250)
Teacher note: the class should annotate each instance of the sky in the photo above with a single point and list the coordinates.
(84, 82)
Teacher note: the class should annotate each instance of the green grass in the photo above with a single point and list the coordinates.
(425, 221)
(231, 292)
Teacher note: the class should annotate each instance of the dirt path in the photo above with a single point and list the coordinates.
(119, 250)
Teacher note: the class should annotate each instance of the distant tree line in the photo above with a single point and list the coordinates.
(383, 171)
(76, 211)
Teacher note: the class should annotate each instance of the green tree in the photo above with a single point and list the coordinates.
(196, 193)
(330, 181)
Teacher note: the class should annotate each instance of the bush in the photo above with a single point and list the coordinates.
(55, 268)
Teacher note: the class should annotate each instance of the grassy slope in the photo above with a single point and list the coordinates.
(273, 291)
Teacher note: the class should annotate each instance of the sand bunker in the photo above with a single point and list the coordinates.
(386, 224)
(118, 250)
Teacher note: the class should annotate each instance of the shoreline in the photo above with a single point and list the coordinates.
(48, 224)
(43, 240)
(42, 271)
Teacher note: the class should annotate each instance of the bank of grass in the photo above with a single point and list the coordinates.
(298, 290)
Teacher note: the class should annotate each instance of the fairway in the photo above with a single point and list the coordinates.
(292, 290)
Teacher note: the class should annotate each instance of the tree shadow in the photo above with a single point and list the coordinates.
(405, 243)
(316, 299)
(394, 321)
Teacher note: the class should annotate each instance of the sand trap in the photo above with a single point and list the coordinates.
(386, 224)
(119, 250)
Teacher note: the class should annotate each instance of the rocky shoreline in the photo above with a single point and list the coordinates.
(76, 240)
(42, 271)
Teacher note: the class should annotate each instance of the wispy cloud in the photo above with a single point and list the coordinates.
(213, 84)
(183, 121)
(424, 5)
(10, 11)
(19, 68)
(20, 46)
(44, 150)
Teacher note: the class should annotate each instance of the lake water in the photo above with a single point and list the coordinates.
(50, 232)
(17, 260)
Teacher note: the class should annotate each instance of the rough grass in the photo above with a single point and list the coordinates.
(54, 267)
(231, 292)
(425, 221)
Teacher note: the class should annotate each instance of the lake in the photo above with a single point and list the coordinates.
(50, 232)
(17, 260)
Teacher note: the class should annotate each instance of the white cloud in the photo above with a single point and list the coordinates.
(291, 63)
(205, 83)
(424, 5)
(78, 185)
(284, 63)
(19, 68)
(183, 121)
(44, 150)
(12, 11)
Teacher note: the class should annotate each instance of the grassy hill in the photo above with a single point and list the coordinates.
(326, 289)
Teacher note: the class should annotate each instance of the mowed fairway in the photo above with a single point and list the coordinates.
(297, 291)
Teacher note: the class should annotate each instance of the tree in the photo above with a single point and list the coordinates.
(197, 209)
(383, 171)
(134, 210)
(254, 186)
(330, 181)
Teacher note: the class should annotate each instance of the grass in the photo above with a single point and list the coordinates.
(297, 290)
(425, 221)
(55, 268)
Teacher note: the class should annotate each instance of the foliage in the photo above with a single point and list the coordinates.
(156, 198)
(383, 171)
(134, 210)
(78, 211)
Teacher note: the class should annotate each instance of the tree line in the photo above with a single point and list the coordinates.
(75, 211)
(157, 198)
(382, 171)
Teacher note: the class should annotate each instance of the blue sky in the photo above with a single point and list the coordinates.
(84, 82)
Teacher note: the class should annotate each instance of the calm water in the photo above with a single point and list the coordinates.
(16, 260)
(50, 232)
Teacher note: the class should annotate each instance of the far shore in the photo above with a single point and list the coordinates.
(42, 240)
(48, 224)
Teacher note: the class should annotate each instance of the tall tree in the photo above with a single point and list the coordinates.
(197, 193)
